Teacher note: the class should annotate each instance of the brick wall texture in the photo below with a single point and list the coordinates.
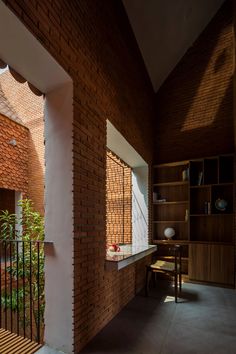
(118, 201)
(93, 42)
(28, 109)
(195, 104)
(13, 159)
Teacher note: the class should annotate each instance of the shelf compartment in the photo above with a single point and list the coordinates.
(170, 212)
(169, 173)
(225, 192)
(172, 193)
(181, 230)
(211, 171)
(208, 228)
(196, 173)
(226, 169)
(198, 198)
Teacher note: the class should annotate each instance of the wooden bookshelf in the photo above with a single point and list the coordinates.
(190, 193)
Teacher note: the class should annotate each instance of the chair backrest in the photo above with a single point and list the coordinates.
(172, 251)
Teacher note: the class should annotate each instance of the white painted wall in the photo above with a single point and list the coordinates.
(59, 218)
(120, 146)
(140, 206)
(18, 212)
(20, 49)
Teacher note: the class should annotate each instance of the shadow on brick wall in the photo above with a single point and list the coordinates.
(195, 104)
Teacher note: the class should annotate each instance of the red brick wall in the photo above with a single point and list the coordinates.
(93, 42)
(13, 159)
(118, 201)
(195, 104)
(29, 108)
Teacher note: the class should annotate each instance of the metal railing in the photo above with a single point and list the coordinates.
(22, 288)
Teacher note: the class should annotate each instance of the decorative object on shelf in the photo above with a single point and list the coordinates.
(186, 214)
(185, 174)
(207, 208)
(161, 200)
(200, 175)
(156, 197)
(169, 232)
(221, 204)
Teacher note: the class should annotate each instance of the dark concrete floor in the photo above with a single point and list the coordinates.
(203, 322)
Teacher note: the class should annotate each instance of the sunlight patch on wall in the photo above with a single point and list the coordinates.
(210, 93)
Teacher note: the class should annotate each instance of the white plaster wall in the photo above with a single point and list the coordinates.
(18, 212)
(140, 206)
(21, 50)
(120, 146)
(59, 218)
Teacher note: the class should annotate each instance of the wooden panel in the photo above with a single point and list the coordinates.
(211, 228)
(222, 264)
(212, 263)
(199, 262)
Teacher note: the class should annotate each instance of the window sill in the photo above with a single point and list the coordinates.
(129, 254)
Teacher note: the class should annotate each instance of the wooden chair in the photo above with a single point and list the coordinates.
(170, 265)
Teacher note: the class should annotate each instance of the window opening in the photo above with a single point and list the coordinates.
(118, 200)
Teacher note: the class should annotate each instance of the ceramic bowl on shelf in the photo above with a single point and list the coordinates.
(221, 204)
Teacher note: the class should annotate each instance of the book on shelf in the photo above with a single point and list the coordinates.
(200, 175)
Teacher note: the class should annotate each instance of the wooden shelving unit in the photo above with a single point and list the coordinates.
(185, 198)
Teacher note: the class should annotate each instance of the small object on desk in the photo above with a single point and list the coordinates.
(114, 248)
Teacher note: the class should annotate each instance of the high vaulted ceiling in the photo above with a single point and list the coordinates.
(165, 29)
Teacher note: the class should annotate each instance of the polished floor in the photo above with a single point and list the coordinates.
(203, 322)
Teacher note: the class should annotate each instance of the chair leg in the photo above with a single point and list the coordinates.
(180, 282)
(176, 287)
